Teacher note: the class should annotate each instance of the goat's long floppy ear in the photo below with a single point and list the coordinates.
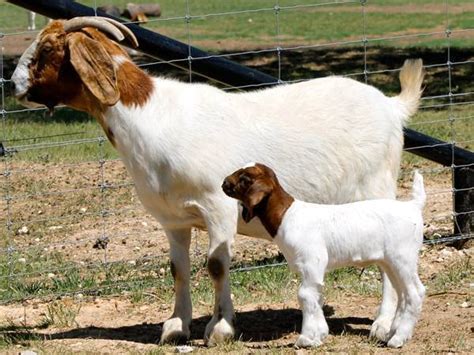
(255, 194)
(95, 67)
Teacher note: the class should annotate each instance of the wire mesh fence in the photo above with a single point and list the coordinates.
(70, 219)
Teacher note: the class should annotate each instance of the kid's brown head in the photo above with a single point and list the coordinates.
(257, 187)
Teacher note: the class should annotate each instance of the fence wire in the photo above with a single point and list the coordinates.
(71, 221)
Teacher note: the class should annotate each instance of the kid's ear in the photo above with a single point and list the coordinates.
(94, 66)
(254, 196)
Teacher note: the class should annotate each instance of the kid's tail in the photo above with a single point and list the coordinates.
(418, 190)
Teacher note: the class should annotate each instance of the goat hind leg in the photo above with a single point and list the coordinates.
(413, 297)
(176, 329)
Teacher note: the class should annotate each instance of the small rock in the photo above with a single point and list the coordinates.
(83, 210)
(136, 248)
(51, 275)
(465, 305)
(184, 349)
(23, 230)
(80, 296)
(37, 240)
(22, 260)
(144, 224)
(28, 352)
(471, 285)
(132, 262)
(162, 271)
(446, 253)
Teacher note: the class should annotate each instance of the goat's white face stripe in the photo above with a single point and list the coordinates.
(21, 75)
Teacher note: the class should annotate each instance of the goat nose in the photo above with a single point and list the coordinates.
(226, 186)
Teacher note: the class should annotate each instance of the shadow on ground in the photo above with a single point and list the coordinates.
(259, 325)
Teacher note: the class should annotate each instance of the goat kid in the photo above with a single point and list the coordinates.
(333, 140)
(315, 238)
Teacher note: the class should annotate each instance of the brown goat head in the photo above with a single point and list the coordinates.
(250, 185)
(70, 63)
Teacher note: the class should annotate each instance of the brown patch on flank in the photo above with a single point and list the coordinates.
(216, 268)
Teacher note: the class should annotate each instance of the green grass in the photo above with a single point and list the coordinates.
(49, 275)
(455, 276)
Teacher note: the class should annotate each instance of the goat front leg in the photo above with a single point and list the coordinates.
(381, 327)
(222, 227)
(176, 329)
(310, 297)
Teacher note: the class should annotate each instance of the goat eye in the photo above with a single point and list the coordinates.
(47, 48)
(244, 180)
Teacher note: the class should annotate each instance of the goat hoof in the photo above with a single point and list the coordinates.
(396, 342)
(218, 332)
(174, 332)
(380, 330)
(305, 342)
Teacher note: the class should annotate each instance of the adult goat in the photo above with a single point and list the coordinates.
(331, 140)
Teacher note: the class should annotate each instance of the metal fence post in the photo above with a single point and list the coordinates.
(463, 202)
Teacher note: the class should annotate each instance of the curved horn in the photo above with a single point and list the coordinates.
(124, 29)
(89, 21)
(105, 24)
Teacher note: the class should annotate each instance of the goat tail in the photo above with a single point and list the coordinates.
(411, 79)
(418, 190)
